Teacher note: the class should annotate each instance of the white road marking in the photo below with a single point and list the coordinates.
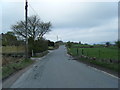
(101, 70)
(104, 72)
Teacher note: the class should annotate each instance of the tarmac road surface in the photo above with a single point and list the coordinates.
(59, 70)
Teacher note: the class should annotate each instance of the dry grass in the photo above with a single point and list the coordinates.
(13, 49)
(14, 65)
(8, 60)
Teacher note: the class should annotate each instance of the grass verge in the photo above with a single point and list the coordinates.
(111, 66)
(11, 68)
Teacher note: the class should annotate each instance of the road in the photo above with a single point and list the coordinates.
(59, 70)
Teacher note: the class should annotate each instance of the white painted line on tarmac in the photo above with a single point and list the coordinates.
(110, 74)
(104, 72)
(101, 71)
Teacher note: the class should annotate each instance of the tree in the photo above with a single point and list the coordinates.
(44, 28)
(36, 28)
(107, 44)
(38, 46)
(9, 38)
(69, 44)
(117, 43)
(50, 43)
(80, 42)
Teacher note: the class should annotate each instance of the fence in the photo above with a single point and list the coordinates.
(104, 55)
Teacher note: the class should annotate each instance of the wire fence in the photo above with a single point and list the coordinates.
(100, 54)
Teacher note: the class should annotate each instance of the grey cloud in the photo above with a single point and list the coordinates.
(71, 20)
(63, 15)
(11, 13)
(93, 15)
(101, 33)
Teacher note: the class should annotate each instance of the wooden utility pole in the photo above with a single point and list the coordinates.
(26, 42)
(57, 37)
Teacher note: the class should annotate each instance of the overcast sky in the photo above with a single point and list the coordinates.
(88, 22)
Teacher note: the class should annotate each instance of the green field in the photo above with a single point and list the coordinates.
(101, 53)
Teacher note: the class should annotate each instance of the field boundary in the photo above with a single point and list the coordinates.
(107, 70)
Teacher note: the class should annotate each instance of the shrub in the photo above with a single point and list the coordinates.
(69, 44)
(37, 46)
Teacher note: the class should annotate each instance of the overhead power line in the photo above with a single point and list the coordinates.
(33, 10)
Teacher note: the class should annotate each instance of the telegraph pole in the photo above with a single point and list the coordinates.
(57, 37)
(26, 42)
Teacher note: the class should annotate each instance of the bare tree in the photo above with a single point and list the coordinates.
(44, 28)
(36, 28)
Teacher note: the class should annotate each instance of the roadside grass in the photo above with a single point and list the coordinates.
(13, 67)
(13, 49)
(111, 66)
(105, 53)
(51, 48)
(10, 65)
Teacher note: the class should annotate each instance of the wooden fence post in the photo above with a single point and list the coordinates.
(99, 53)
(82, 51)
(77, 50)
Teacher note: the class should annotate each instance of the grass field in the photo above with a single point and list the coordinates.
(101, 53)
(13, 49)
